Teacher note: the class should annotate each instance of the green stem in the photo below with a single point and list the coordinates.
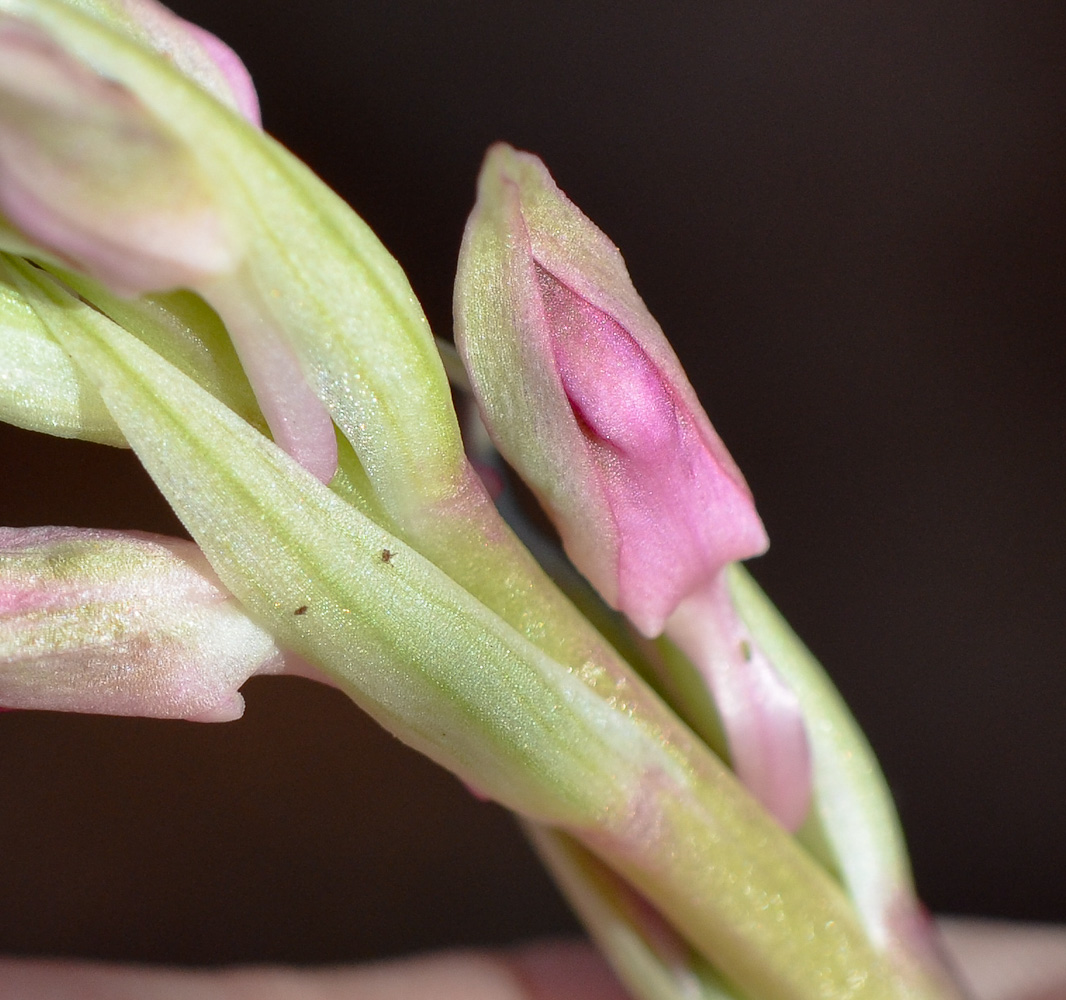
(647, 953)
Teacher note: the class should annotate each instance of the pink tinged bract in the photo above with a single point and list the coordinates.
(122, 624)
(298, 420)
(585, 398)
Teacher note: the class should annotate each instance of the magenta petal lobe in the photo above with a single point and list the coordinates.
(679, 514)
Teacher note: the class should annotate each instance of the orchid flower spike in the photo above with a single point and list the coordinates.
(399, 581)
(585, 398)
(122, 624)
(582, 745)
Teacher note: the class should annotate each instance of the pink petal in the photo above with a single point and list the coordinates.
(679, 513)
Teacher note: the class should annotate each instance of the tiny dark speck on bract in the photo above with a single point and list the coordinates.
(386, 555)
(301, 610)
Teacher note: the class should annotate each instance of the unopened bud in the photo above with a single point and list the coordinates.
(122, 624)
(93, 178)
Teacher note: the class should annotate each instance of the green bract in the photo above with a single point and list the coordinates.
(41, 389)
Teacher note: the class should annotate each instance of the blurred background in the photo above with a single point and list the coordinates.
(850, 220)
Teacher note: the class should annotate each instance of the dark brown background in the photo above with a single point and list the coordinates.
(849, 218)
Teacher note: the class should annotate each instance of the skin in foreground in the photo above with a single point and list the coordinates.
(1001, 961)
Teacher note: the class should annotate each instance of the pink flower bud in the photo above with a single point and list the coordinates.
(121, 624)
(586, 399)
(97, 181)
(92, 177)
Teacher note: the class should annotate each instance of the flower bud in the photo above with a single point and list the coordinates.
(585, 398)
(122, 624)
(95, 179)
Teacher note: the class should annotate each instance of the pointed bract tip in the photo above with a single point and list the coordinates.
(198, 53)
